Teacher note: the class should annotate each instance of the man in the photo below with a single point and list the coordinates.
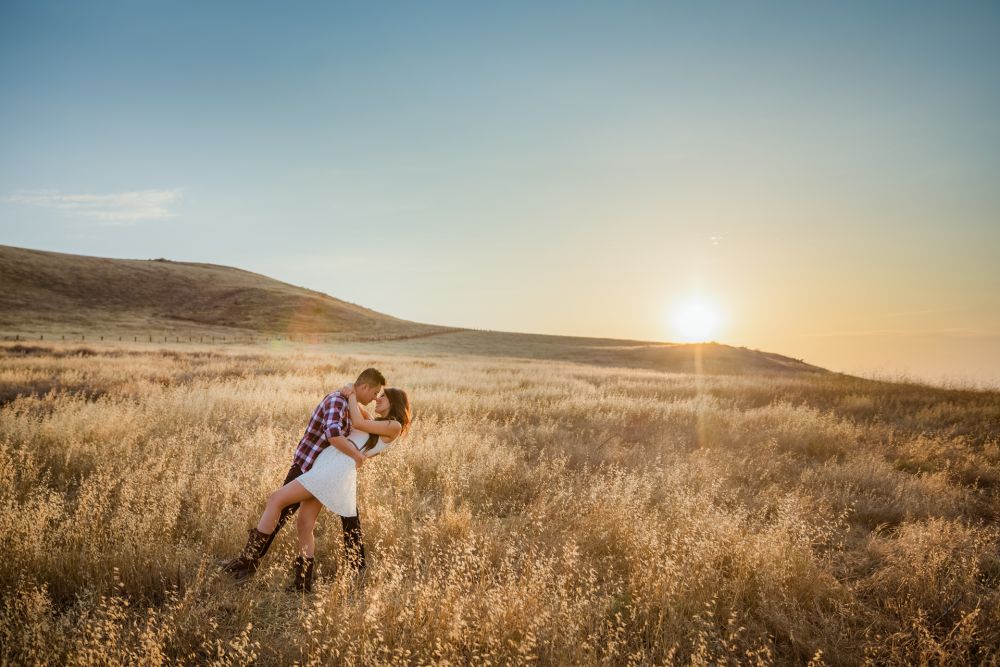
(329, 426)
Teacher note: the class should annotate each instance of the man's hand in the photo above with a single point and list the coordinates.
(359, 461)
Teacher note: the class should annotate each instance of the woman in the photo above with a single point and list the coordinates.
(332, 481)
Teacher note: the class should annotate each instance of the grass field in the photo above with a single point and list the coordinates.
(538, 512)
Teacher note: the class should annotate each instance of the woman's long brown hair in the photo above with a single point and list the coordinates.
(399, 410)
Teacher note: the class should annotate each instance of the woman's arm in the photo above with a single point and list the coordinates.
(362, 421)
(389, 428)
(353, 409)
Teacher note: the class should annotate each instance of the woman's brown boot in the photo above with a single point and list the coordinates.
(248, 561)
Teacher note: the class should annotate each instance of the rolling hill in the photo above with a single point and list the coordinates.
(47, 292)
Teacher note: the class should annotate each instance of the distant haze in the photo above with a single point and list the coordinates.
(827, 175)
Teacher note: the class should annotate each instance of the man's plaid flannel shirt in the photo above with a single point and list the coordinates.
(331, 418)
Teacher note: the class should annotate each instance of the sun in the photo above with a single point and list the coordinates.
(696, 320)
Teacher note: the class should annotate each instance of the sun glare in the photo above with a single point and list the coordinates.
(696, 321)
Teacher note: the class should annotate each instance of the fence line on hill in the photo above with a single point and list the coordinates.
(212, 339)
(136, 338)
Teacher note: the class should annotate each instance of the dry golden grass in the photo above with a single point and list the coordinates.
(538, 512)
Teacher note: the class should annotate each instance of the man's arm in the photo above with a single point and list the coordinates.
(335, 425)
(335, 420)
(347, 447)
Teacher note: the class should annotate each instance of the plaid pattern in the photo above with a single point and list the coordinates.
(330, 419)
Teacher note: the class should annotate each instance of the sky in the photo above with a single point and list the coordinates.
(824, 177)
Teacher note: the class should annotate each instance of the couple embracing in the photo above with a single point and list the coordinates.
(340, 437)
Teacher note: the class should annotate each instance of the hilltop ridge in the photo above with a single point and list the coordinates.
(56, 292)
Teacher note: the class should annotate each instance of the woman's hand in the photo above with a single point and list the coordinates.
(347, 390)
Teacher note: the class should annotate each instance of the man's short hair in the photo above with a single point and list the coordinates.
(371, 377)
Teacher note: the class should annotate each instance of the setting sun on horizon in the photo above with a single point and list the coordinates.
(695, 320)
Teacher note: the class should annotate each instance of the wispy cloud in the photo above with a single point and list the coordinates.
(117, 208)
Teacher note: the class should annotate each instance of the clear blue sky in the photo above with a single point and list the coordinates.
(826, 174)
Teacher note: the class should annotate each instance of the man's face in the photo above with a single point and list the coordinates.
(367, 393)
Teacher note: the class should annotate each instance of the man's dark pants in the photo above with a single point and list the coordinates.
(354, 548)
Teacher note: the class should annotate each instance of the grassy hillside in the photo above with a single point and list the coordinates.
(538, 513)
(54, 293)
(45, 291)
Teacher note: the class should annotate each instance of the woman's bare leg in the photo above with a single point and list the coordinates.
(289, 494)
(306, 524)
